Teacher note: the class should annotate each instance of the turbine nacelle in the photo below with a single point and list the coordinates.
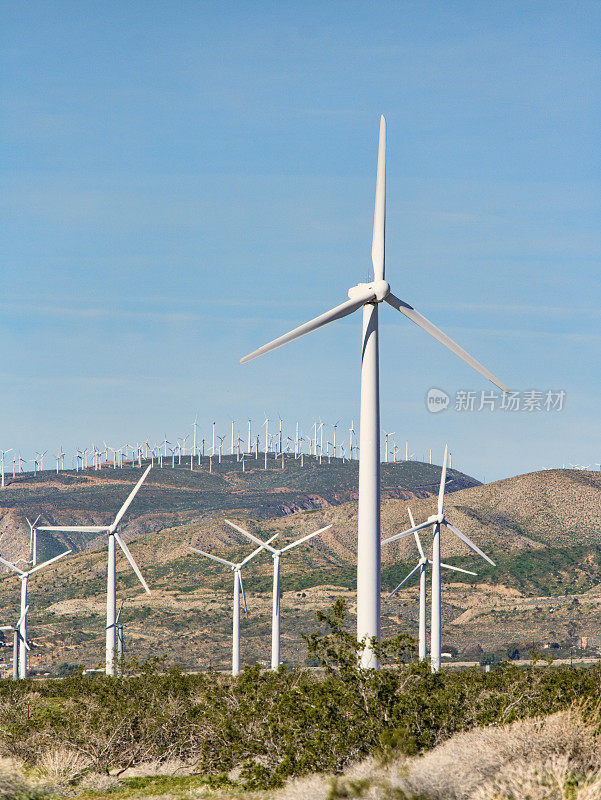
(380, 289)
(436, 519)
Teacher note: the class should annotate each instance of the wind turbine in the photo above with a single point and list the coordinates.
(33, 541)
(386, 435)
(111, 596)
(437, 520)
(266, 423)
(4, 452)
(194, 444)
(238, 586)
(24, 578)
(422, 565)
(334, 426)
(276, 555)
(369, 296)
(221, 438)
(16, 629)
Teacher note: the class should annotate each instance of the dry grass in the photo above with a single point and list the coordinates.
(62, 764)
(555, 758)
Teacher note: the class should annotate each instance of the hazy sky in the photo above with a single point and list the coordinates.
(183, 181)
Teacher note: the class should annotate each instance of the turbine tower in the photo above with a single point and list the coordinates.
(16, 630)
(238, 587)
(111, 594)
(275, 613)
(369, 296)
(438, 520)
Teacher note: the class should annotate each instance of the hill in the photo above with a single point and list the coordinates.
(171, 497)
(543, 529)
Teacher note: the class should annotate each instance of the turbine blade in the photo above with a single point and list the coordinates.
(394, 591)
(469, 543)
(24, 640)
(22, 617)
(45, 563)
(77, 528)
(11, 566)
(243, 593)
(129, 500)
(119, 612)
(457, 569)
(251, 536)
(305, 538)
(417, 539)
(340, 311)
(406, 533)
(377, 247)
(215, 558)
(443, 480)
(258, 550)
(133, 564)
(427, 326)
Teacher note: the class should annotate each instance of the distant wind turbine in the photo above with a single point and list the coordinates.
(276, 555)
(3, 453)
(422, 565)
(24, 578)
(437, 521)
(111, 595)
(16, 630)
(238, 587)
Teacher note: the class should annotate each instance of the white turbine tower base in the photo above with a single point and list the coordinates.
(111, 594)
(369, 296)
(276, 555)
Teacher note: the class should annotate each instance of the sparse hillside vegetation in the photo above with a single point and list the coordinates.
(542, 530)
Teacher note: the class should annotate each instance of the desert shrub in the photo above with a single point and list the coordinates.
(273, 725)
(553, 758)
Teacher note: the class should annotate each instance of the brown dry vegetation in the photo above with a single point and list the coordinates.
(553, 758)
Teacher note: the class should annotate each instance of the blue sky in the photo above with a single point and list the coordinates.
(183, 181)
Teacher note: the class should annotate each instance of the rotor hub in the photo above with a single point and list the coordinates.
(381, 289)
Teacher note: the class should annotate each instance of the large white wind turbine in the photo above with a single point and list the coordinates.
(421, 566)
(238, 587)
(437, 520)
(24, 578)
(368, 296)
(111, 595)
(276, 555)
